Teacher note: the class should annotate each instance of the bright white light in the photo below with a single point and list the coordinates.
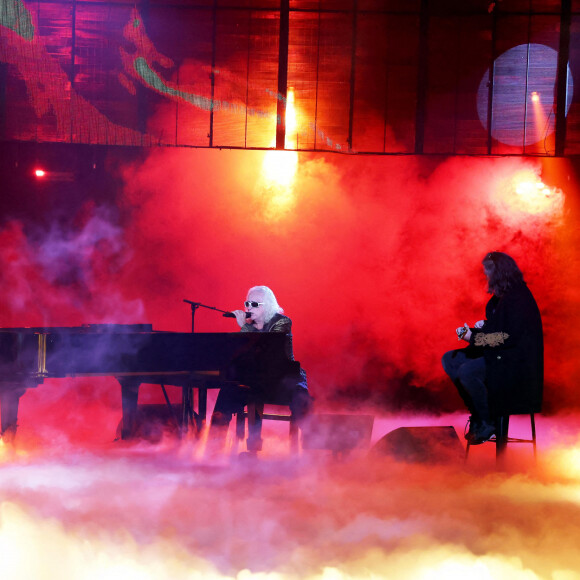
(534, 197)
(279, 167)
(291, 124)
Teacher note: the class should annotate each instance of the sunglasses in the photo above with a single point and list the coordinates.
(249, 304)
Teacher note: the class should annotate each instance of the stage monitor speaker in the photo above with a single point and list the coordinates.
(337, 432)
(154, 421)
(421, 445)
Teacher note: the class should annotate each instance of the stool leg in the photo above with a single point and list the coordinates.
(240, 425)
(533, 424)
(294, 436)
(501, 435)
(255, 412)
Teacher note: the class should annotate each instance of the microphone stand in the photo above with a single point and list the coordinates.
(195, 306)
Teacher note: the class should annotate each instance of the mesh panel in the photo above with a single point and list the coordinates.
(205, 73)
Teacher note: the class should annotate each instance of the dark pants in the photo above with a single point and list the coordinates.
(233, 398)
(468, 374)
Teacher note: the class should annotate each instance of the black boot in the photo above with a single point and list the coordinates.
(482, 433)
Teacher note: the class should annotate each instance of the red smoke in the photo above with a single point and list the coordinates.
(376, 260)
(157, 512)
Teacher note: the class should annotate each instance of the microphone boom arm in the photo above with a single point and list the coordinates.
(196, 305)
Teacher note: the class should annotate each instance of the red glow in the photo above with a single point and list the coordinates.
(291, 121)
(532, 196)
(39, 173)
(377, 262)
(344, 248)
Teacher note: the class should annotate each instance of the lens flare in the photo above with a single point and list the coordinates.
(279, 167)
(568, 462)
(537, 198)
(276, 184)
(525, 195)
(291, 121)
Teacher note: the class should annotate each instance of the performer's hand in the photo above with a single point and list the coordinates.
(240, 317)
(467, 335)
(479, 324)
(463, 332)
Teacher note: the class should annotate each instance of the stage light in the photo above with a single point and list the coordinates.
(533, 196)
(291, 125)
(49, 175)
(279, 167)
(532, 65)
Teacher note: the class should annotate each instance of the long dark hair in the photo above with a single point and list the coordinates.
(502, 273)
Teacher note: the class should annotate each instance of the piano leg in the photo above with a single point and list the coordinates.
(255, 413)
(189, 416)
(9, 400)
(201, 407)
(129, 396)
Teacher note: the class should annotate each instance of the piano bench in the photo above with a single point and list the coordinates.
(255, 415)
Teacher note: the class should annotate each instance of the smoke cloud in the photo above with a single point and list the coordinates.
(376, 260)
(159, 511)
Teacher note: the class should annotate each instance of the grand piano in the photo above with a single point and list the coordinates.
(134, 354)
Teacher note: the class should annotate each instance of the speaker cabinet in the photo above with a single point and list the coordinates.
(421, 445)
(154, 421)
(337, 432)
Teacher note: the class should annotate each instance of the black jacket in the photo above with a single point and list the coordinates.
(289, 370)
(512, 343)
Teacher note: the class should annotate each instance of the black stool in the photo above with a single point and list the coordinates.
(501, 438)
(255, 414)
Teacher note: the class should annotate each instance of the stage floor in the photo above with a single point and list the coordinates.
(145, 511)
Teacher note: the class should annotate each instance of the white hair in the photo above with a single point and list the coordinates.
(271, 306)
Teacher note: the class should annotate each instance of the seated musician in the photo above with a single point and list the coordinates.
(501, 370)
(288, 387)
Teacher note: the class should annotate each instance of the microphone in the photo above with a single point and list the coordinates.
(232, 315)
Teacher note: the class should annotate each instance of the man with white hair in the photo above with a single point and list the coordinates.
(265, 315)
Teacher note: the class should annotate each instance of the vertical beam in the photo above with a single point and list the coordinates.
(524, 136)
(422, 77)
(212, 75)
(142, 104)
(73, 51)
(248, 77)
(3, 104)
(562, 76)
(282, 73)
(317, 76)
(352, 72)
(491, 81)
